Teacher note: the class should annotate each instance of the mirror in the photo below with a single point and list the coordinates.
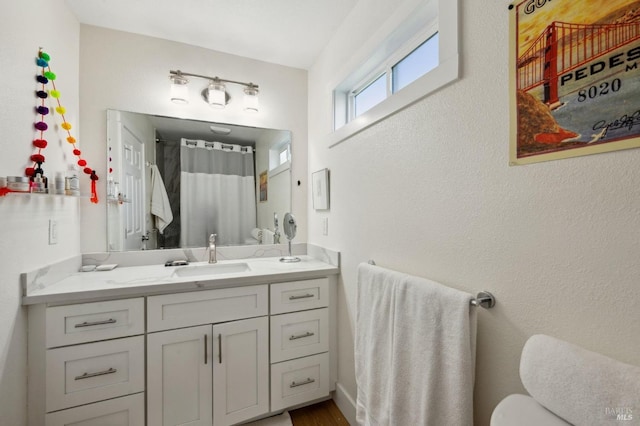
(290, 228)
(172, 182)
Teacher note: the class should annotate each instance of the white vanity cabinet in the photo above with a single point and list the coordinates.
(86, 364)
(299, 342)
(219, 370)
(211, 357)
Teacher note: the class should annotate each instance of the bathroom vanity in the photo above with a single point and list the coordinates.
(200, 344)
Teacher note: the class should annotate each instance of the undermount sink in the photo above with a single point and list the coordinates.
(211, 269)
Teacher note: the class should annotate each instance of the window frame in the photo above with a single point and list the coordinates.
(344, 125)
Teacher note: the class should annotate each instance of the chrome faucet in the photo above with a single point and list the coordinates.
(276, 231)
(212, 249)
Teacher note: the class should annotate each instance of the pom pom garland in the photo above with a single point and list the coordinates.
(40, 143)
(41, 125)
(37, 158)
(47, 76)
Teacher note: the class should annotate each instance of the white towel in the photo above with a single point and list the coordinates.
(268, 236)
(582, 387)
(160, 206)
(257, 234)
(414, 351)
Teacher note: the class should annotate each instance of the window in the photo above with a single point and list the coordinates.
(279, 157)
(423, 46)
(370, 95)
(415, 64)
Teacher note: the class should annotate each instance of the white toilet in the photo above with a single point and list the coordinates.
(523, 410)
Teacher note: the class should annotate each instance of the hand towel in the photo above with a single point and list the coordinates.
(268, 236)
(160, 207)
(414, 351)
(257, 234)
(582, 387)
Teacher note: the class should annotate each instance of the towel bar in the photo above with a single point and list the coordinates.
(484, 299)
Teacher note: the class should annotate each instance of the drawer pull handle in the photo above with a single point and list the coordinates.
(305, 382)
(302, 336)
(219, 348)
(302, 296)
(90, 324)
(206, 355)
(99, 373)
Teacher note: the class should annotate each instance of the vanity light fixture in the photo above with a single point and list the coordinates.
(179, 89)
(215, 94)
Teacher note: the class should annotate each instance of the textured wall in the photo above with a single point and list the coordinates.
(25, 219)
(429, 191)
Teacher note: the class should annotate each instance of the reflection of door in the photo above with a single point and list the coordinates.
(132, 187)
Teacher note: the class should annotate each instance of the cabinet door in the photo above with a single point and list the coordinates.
(240, 370)
(179, 377)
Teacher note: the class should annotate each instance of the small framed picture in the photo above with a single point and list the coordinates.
(320, 188)
(263, 186)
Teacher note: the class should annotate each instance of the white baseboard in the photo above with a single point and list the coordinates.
(345, 403)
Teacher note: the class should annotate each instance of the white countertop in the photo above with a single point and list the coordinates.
(158, 279)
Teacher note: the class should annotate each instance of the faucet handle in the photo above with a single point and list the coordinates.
(212, 238)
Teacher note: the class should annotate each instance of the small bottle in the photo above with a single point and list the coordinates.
(37, 186)
(72, 183)
(59, 183)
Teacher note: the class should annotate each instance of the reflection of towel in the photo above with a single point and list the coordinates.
(257, 234)
(582, 387)
(268, 236)
(414, 350)
(160, 206)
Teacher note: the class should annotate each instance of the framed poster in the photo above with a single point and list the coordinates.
(575, 78)
(320, 185)
(263, 186)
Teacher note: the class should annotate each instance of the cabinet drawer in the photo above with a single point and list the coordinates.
(299, 334)
(299, 295)
(204, 307)
(124, 411)
(300, 380)
(88, 322)
(94, 371)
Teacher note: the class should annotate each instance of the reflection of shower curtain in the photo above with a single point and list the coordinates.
(217, 193)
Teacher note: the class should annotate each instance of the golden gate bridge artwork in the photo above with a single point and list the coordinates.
(577, 84)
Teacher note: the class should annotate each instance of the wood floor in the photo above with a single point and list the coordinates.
(324, 413)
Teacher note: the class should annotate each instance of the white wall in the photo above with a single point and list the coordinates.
(25, 219)
(429, 191)
(130, 72)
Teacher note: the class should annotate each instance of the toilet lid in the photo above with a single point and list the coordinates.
(522, 410)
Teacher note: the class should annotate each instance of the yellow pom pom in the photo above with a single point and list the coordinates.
(71, 139)
(54, 93)
(61, 110)
(66, 126)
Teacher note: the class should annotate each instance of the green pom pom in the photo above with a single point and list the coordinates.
(45, 56)
(54, 93)
(50, 75)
